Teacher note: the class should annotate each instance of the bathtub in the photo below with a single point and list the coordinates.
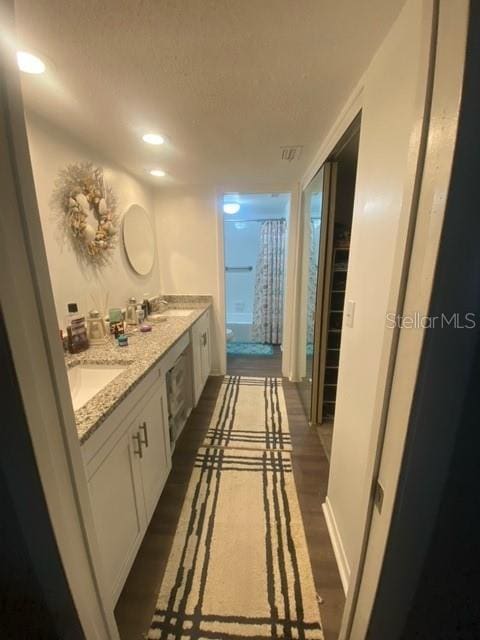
(241, 325)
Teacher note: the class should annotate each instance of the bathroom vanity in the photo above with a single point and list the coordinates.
(124, 428)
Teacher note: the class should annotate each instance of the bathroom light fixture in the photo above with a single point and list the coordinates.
(153, 138)
(158, 173)
(231, 207)
(28, 63)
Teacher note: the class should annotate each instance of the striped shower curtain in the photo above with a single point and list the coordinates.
(269, 277)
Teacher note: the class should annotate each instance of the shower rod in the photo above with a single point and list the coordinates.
(239, 269)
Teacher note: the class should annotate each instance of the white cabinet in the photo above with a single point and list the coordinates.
(201, 351)
(152, 440)
(126, 477)
(115, 493)
(128, 458)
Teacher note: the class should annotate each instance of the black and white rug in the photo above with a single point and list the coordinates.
(239, 565)
(250, 413)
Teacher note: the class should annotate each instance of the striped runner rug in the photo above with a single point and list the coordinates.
(250, 414)
(239, 565)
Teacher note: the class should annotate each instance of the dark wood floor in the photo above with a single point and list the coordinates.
(256, 365)
(137, 601)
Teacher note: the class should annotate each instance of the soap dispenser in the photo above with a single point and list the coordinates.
(96, 330)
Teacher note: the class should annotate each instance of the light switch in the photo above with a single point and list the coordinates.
(349, 312)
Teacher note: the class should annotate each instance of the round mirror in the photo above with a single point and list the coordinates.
(139, 239)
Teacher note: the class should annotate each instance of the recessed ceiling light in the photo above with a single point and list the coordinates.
(231, 207)
(28, 63)
(153, 138)
(157, 173)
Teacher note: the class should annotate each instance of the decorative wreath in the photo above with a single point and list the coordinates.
(86, 208)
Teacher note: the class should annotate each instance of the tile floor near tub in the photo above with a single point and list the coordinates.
(137, 601)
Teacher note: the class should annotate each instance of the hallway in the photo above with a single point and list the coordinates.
(137, 602)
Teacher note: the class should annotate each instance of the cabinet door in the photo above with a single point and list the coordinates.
(206, 351)
(155, 464)
(197, 360)
(119, 515)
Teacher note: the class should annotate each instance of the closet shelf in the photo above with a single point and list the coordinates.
(336, 296)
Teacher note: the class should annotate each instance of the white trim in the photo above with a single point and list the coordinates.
(288, 306)
(220, 316)
(288, 344)
(338, 550)
(31, 323)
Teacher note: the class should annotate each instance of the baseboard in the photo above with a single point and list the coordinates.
(216, 372)
(338, 550)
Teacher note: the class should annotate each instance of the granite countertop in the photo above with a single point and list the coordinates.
(144, 350)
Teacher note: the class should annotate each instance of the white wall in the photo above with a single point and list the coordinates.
(186, 222)
(50, 151)
(241, 250)
(393, 103)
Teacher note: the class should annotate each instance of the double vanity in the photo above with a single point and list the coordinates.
(124, 401)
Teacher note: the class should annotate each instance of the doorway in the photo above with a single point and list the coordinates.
(255, 240)
(327, 211)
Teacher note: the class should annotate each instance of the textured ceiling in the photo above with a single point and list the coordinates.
(227, 81)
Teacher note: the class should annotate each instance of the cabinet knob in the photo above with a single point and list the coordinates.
(138, 452)
(143, 427)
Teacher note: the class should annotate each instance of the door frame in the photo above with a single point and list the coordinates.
(448, 75)
(292, 222)
(398, 454)
(320, 334)
(31, 324)
(325, 279)
(345, 120)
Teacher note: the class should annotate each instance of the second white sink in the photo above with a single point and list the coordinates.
(171, 313)
(85, 380)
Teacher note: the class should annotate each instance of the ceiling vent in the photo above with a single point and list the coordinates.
(291, 153)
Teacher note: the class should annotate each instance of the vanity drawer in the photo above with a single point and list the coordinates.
(168, 361)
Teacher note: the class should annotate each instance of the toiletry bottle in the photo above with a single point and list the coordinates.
(131, 315)
(115, 319)
(64, 340)
(140, 314)
(146, 306)
(76, 330)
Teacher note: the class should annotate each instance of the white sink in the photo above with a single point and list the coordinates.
(171, 313)
(86, 380)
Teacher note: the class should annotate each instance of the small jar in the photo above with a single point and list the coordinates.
(96, 330)
(122, 341)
